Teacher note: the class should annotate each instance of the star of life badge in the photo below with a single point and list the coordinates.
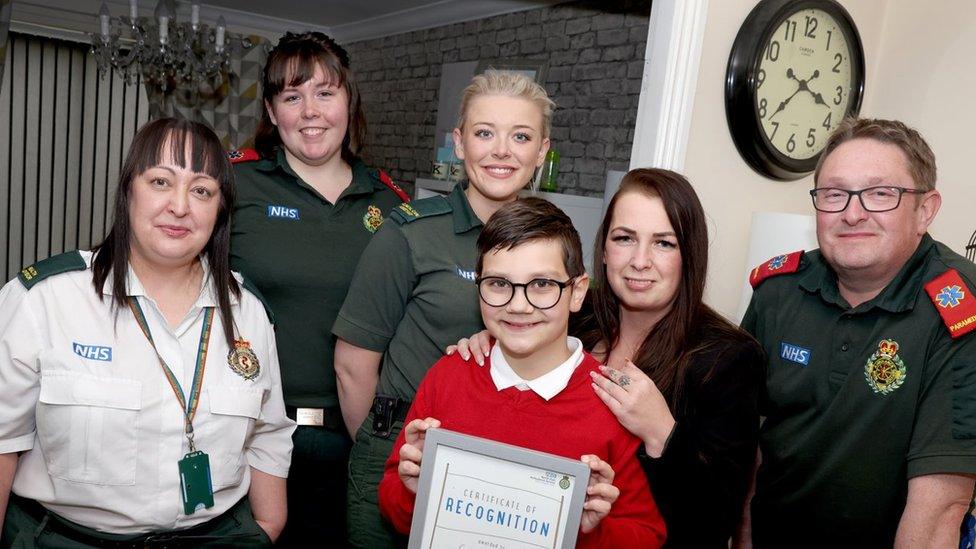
(243, 361)
(885, 370)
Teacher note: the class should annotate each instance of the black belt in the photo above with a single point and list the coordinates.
(386, 411)
(189, 537)
(331, 418)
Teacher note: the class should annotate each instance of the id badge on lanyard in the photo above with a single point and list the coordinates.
(196, 487)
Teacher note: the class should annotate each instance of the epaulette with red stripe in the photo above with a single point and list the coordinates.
(243, 155)
(781, 264)
(385, 178)
(954, 301)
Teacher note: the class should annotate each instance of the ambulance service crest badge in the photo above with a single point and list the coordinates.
(372, 219)
(885, 370)
(243, 361)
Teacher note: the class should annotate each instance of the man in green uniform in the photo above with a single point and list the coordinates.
(412, 296)
(870, 431)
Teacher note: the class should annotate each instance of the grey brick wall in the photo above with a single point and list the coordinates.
(594, 51)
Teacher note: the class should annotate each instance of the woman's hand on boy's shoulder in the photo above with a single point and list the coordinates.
(412, 450)
(477, 346)
(600, 493)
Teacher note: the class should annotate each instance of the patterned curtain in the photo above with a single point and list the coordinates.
(4, 27)
(233, 108)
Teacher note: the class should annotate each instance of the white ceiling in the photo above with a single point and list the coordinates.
(350, 20)
(345, 20)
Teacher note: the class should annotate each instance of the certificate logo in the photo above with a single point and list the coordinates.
(564, 482)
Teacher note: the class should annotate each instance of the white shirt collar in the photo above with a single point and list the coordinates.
(206, 298)
(547, 385)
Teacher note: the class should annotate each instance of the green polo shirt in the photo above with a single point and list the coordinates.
(301, 251)
(414, 292)
(840, 439)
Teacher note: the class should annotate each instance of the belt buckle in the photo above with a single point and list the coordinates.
(314, 417)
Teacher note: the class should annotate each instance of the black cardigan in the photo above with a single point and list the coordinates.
(701, 479)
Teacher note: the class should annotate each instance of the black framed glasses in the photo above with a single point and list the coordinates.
(541, 293)
(873, 199)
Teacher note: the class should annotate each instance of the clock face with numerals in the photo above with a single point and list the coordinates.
(796, 70)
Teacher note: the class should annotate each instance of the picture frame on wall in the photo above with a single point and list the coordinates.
(533, 68)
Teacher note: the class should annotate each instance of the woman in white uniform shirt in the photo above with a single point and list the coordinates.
(100, 350)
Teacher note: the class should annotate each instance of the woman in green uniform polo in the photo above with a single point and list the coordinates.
(414, 293)
(307, 207)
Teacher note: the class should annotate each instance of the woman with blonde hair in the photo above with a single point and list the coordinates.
(413, 292)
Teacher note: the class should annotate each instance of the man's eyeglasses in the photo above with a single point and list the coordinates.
(541, 293)
(873, 199)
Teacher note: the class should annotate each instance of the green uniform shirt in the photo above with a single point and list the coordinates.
(301, 251)
(840, 439)
(414, 292)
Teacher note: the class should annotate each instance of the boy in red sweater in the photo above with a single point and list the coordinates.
(534, 389)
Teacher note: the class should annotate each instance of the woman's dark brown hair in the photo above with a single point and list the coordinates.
(190, 145)
(690, 325)
(292, 63)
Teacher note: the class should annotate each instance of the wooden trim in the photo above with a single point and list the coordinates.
(667, 99)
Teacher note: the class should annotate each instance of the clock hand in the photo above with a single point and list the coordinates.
(785, 102)
(817, 97)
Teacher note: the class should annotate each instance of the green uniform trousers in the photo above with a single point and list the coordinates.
(28, 525)
(367, 528)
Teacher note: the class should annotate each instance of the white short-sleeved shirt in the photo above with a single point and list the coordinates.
(85, 399)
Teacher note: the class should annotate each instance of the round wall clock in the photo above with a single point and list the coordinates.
(795, 71)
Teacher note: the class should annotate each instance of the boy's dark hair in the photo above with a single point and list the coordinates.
(530, 219)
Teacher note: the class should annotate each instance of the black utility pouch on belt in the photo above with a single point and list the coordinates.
(386, 411)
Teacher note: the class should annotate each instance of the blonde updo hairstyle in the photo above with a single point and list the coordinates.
(510, 84)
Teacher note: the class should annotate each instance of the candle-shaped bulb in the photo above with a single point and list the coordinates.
(104, 19)
(195, 15)
(221, 28)
(162, 15)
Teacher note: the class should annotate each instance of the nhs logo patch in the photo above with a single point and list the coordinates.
(92, 352)
(466, 275)
(283, 212)
(794, 353)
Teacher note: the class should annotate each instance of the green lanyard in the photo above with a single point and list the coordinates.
(189, 408)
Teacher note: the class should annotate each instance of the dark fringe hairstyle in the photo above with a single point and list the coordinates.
(149, 146)
(690, 326)
(529, 219)
(292, 63)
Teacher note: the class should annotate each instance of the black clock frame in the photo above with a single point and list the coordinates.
(740, 93)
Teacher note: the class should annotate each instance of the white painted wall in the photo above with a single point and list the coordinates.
(926, 77)
(729, 190)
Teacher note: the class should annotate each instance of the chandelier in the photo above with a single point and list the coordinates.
(161, 51)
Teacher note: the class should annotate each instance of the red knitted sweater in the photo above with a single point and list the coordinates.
(575, 422)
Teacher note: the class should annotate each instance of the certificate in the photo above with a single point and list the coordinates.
(479, 493)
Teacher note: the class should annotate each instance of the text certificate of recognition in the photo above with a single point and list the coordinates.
(474, 492)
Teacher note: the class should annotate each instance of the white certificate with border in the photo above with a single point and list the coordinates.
(478, 493)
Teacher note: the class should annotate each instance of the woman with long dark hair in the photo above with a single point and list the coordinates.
(677, 375)
(140, 379)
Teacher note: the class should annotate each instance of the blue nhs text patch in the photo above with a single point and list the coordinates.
(92, 352)
(283, 212)
(794, 353)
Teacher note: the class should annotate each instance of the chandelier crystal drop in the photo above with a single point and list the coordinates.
(162, 51)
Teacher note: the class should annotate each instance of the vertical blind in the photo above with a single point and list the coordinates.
(64, 132)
